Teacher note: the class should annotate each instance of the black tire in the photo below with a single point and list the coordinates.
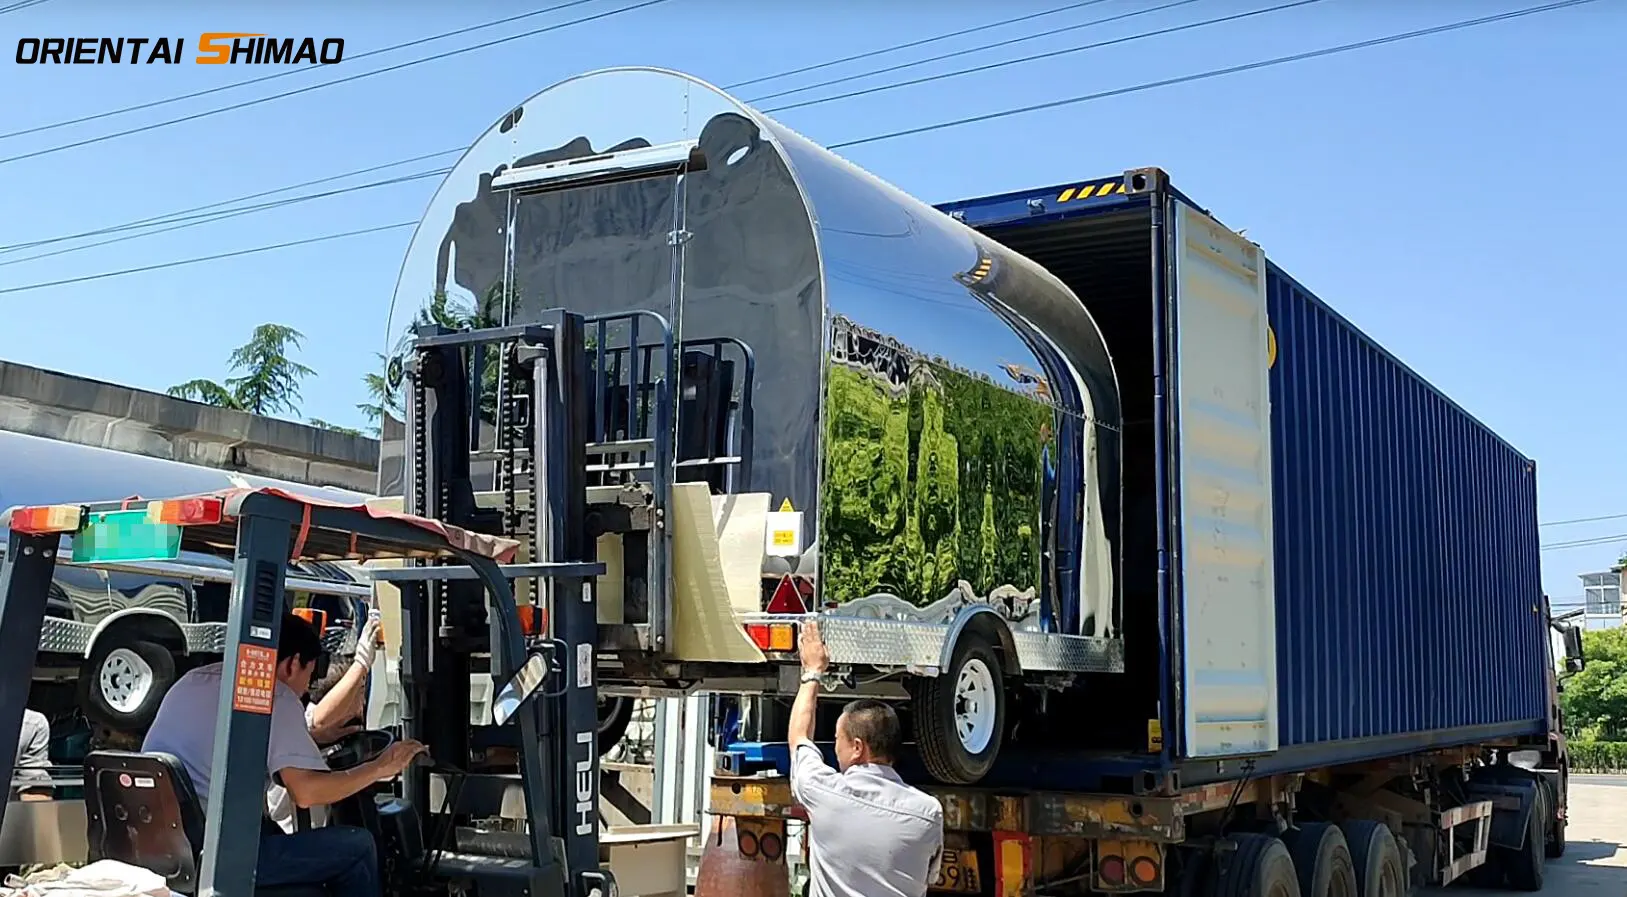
(1377, 859)
(1261, 866)
(104, 689)
(1555, 847)
(943, 751)
(1322, 858)
(1524, 866)
(615, 715)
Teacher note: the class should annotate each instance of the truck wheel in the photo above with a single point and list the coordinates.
(1323, 859)
(1261, 866)
(1556, 848)
(122, 683)
(1377, 859)
(615, 715)
(960, 714)
(1524, 866)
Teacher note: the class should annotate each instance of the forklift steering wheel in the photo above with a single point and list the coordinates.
(357, 748)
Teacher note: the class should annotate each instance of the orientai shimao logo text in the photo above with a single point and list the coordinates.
(214, 48)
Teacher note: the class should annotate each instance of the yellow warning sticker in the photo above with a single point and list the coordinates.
(785, 506)
(785, 537)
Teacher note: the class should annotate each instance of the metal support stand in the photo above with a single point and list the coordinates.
(25, 584)
(243, 725)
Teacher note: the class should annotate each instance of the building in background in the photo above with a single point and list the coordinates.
(1602, 599)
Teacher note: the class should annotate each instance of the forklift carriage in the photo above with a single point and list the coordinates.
(141, 808)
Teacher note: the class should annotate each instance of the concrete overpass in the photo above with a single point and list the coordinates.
(90, 412)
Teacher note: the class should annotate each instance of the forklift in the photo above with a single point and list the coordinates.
(505, 809)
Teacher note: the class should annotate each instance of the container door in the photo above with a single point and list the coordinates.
(1224, 538)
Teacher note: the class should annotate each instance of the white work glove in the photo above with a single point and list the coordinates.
(367, 644)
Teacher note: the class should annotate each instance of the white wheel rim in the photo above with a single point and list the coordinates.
(125, 679)
(974, 706)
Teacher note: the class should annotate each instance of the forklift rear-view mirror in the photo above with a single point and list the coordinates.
(519, 689)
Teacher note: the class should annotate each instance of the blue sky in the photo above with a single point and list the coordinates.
(1456, 196)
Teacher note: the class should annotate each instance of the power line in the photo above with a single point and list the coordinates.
(994, 46)
(285, 73)
(19, 6)
(325, 84)
(736, 85)
(178, 215)
(910, 46)
(1584, 520)
(1214, 73)
(1585, 543)
(209, 258)
(1023, 59)
(213, 217)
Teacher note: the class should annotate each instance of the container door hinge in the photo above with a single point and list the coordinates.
(678, 237)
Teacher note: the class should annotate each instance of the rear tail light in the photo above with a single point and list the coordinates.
(773, 636)
(186, 511)
(44, 519)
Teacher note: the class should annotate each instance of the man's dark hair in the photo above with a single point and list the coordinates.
(300, 638)
(876, 724)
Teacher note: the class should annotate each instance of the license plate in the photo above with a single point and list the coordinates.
(125, 536)
(958, 873)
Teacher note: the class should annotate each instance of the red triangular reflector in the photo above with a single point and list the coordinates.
(786, 600)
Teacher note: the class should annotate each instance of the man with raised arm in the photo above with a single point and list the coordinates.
(869, 834)
(342, 857)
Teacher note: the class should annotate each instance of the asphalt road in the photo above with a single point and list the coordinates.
(1595, 860)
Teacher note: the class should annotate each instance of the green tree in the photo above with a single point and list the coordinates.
(1595, 700)
(264, 379)
(383, 398)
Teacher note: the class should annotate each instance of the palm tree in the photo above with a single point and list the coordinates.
(265, 379)
(448, 312)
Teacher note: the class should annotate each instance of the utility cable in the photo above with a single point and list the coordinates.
(1575, 520)
(1053, 32)
(1213, 73)
(1149, 85)
(224, 214)
(911, 45)
(1584, 543)
(285, 73)
(183, 213)
(325, 84)
(771, 77)
(1049, 55)
(19, 6)
(209, 258)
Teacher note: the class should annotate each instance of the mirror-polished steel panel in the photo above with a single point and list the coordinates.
(944, 411)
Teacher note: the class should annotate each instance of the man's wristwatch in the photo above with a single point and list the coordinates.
(811, 676)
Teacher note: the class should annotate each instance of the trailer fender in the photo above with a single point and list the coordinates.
(1512, 800)
(984, 620)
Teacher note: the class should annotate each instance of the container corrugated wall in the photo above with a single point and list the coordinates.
(1408, 581)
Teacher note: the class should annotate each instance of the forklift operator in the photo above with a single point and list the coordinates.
(344, 858)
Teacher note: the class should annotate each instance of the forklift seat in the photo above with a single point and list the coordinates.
(142, 810)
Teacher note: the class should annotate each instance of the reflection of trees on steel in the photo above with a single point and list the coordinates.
(932, 476)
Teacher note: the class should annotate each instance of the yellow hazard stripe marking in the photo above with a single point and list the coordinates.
(1089, 190)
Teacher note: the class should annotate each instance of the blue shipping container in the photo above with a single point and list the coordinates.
(1408, 598)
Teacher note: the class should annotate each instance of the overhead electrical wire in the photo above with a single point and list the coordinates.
(202, 218)
(19, 6)
(985, 47)
(1048, 55)
(868, 54)
(1585, 543)
(183, 214)
(1576, 520)
(153, 126)
(286, 72)
(1214, 73)
(1458, 25)
(801, 70)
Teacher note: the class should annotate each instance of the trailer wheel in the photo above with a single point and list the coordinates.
(1322, 857)
(1377, 859)
(1524, 866)
(1555, 847)
(1261, 866)
(123, 681)
(960, 714)
(615, 715)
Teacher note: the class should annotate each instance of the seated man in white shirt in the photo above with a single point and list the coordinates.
(344, 858)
